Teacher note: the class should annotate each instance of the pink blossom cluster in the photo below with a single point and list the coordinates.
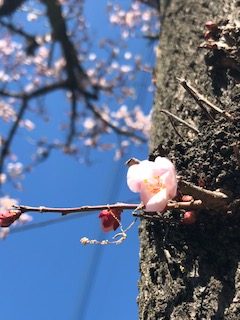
(112, 67)
(129, 120)
(137, 17)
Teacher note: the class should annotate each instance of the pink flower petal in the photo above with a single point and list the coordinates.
(158, 202)
(162, 165)
(137, 173)
(170, 181)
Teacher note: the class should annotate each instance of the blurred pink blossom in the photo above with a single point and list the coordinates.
(155, 181)
(6, 202)
(23, 219)
(4, 232)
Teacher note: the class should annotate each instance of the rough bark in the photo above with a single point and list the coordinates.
(193, 271)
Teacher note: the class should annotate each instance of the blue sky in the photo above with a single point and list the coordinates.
(45, 272)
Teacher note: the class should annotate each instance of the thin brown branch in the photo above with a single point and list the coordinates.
(196, 204)
(7, 143)
(210, 199)
(11, 94)
(7, 7)
(18, 31)
(64, 84)
(206, 200)
(185, 205)
(73, 117)
(118, 130)
(201, 100)
(36, 93)
(169, 114)
(65, 211)
(76, 75)
(195, 96)
(174, 128)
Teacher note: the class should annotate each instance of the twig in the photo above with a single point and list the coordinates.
(200, 99)
(186, 205)
(210, 199)
(180, 120)
(73, 118)
(174, 128)
(11, 134)
(9, 7)
(65, 211)
(75, 72)
(123, 206)
(118, 130)
(168, 256)
(18, 30)
(38, 92)
(205, 199)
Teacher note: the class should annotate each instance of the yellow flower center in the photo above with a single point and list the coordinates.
(154, 186)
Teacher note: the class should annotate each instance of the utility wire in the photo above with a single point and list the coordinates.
(47, 223)
(91, 275)
(97, 253)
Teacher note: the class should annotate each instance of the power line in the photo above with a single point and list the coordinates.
(47, 223)
(98, 250)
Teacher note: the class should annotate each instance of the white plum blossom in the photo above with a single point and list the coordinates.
(126, 68)
(34, 65)
(155, 181)
(32, 16)
(127, 55)
(3, 178)
(7, 113)
(89, 123)
(92, 56)
(28, 124)
(15, 169)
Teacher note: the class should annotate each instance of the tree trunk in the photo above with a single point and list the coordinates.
(192, 271)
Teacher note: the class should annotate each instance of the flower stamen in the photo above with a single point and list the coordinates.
(156, 186)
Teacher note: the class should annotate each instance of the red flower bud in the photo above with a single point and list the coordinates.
(189, 217)
(187, 198)
(211, 26)
(8, 217)
(110, 219)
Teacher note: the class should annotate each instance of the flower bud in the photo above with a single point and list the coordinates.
(8, 217)
(110, 219)
(211, 26)
(187, 198)
(189, 217)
